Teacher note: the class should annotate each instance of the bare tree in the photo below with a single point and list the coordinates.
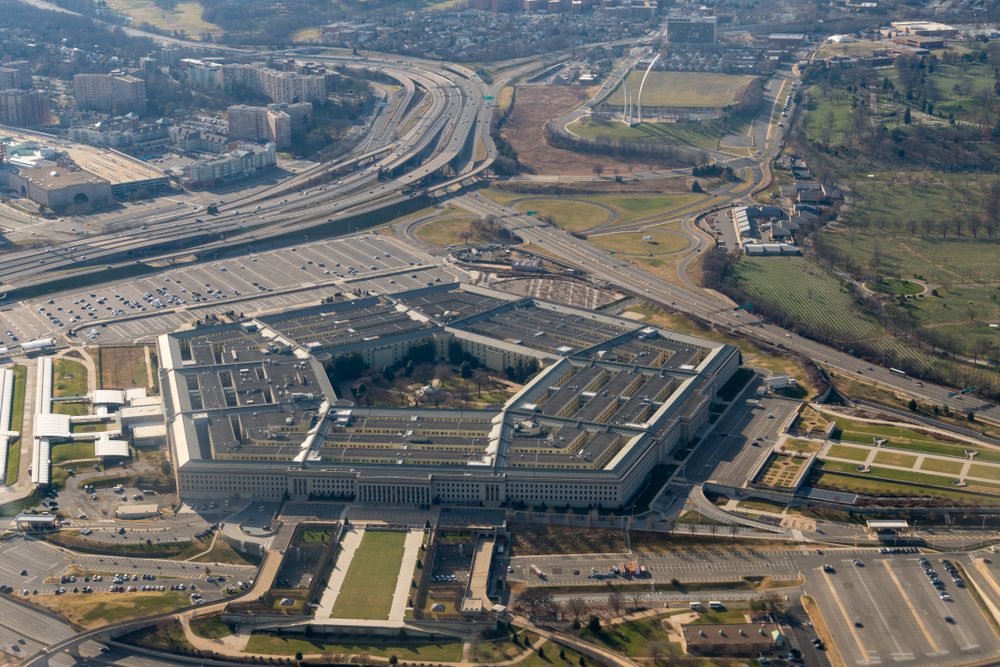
(656, 651)
(576, 606)
(616, 602)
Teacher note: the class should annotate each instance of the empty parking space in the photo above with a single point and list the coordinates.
(887, 610)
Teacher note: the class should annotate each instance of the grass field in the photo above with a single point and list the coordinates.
(69, 378)
(914, 212)
(800, 446)
(445, 651)
(649, 242)
(947, 467)
(848, 452)
(895, 286)
(186, 16)
(568, 214)
(96, 609)
(447, 231)
(638, 207)
(72, 451)
(895, 483)
(72, 408)
(210, 627)
(16, 424)
(685, 89)
(899, 437)
(700, 135)
(122, 367)
(815, 299)
(635, 638)
(371, 577)
(895, 459)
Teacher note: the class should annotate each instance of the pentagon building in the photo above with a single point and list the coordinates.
(250, 410)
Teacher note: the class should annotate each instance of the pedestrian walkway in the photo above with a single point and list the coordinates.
(411, 552)
(348, 545)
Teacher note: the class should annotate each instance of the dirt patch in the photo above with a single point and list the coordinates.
(122, 367)
(533, 107)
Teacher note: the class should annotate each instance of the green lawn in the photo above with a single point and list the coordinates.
(183, 16)
(210, 627)
(890, 482)
(445, 651)
(895, 459)
(371, 577)
(447, 231)
(895, 286)
(685, 89)
(72, 451)
(634, 638)
(661, 241)
(900, 437)
(72, 408)
(874, 486)
(815, 299)
(937, 465)
(848, 452)
(69, 378)
(984, 471)
(90, 611)
(568, 214)
(16, 424)
(699, 135)
(638, 207)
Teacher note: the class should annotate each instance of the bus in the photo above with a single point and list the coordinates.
(896, 371)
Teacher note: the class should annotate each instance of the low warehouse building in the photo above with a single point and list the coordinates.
(59, 188)
(731, 639)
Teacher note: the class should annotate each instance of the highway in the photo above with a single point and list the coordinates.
(443, 108)
(707, 305)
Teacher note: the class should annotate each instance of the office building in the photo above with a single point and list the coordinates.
(691, 29)
(251, 413)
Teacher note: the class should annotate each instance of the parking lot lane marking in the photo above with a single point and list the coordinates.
(900, 653)
(913, 611)
(848, 623)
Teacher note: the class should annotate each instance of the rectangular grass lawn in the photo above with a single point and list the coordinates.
(371, 577)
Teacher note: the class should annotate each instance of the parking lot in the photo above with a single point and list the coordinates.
(137, 309)
(43, 565)
(687, 567)
(886, 609)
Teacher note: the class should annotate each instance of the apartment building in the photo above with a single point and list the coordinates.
(113, 92)
(24, 108)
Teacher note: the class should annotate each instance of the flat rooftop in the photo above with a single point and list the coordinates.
(255, 391)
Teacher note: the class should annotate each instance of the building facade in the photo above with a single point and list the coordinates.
(691, 29)
(114, 92)
(24, 108)
(612, 400)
